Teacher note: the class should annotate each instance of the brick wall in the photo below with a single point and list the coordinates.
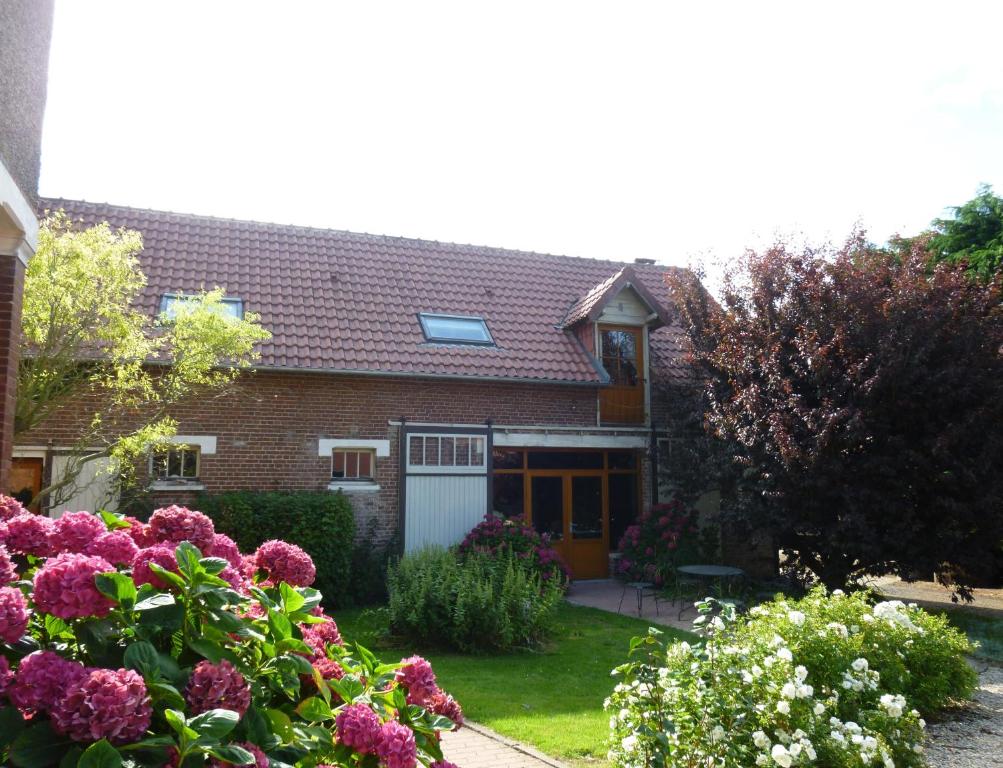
(268, 425)
(11, 289)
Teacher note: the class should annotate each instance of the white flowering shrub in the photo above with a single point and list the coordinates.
(829, 680)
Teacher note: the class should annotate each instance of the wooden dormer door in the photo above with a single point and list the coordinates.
(621, 349)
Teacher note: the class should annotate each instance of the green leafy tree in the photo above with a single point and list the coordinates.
(860, 396)
(974, 235)
(85, 342)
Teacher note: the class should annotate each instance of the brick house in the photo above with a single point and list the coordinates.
(431, 382)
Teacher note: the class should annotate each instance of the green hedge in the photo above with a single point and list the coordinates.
(322, 523)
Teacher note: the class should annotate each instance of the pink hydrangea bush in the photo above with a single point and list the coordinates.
(496, 535)
(171, 654)
(663, 537)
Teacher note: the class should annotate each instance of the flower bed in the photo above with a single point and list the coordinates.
(829, 680)
(497, 536)
(160, 644)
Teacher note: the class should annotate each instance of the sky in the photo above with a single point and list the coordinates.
(682, 132)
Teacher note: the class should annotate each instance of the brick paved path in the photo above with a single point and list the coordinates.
(474, 746)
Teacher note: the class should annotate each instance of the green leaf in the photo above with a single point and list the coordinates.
(143, 658)
(150, 743)
(163, 693)
(112, 521)
(231, 753)
(281, 724)
(56, 627)
(100, 754)
(11, 724)
(210, 650)
(227, 621)
(215, 723)
(292, 644)
(281, 628)
(188, 558)
(292, 600)
(213, 565)
(167, 576)
(314, 709)
(71, 757)
(118, 586)
(177, 721)
(38, 747)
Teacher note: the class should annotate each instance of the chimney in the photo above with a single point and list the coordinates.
(644, 261)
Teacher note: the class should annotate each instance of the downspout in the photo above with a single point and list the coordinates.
(401, 483)
(653, 452)
(489, 463)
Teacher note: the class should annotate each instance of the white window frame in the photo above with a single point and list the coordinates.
(379, 448)
(182, 449)
(449, 469)
(354, 480)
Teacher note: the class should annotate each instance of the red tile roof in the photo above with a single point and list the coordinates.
(348, 302)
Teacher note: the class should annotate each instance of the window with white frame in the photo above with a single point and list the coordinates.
(349, 464)
(446, 453)
(175, 464)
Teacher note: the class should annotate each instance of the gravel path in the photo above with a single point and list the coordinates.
(972, 737)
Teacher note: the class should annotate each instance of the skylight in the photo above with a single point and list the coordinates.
(455, 329)
(229, 306)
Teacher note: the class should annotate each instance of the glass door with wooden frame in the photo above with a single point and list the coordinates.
(621, 349)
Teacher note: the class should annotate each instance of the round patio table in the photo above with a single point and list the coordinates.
(708, 573)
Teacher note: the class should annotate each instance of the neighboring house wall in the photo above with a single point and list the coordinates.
(25, 30)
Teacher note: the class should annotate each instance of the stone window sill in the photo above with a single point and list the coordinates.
(353, 487)
(169, 485)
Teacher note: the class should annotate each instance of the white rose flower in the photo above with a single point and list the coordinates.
(781, 756)
(717, 734)
(859, 665)
(783, 707)
(819, 708)
(796, 617)
(761, 740)
(789, 691)
(801, 673)
(785, 654)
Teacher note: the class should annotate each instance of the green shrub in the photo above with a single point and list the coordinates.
(322, 523)
(827, 680)
(479, 603)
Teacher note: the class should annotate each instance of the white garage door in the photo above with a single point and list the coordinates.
(93, 489)
(446, 487)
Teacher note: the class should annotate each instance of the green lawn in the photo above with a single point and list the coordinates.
(982, 628)
(551, 699)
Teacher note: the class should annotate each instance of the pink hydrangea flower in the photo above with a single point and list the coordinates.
(42, 679)
(319, 636)
(329, 669)
(73, 531)
(108, 704)
(159, 554)
(139, 532)
(65, 586)
(225, 547)
(418, 677)
(235, 579)
(441, 703)
(260, 758)
(285, 562)
(396, 746)
(175, 524)
(10, 507)
(217, 686)
(6, 676)
(117, 547)
(8, 572)
(358, 727)
(13, 614)
(28, 534)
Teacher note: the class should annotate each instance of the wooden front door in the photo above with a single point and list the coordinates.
(621, 348)
(571, 508)
(26, 479)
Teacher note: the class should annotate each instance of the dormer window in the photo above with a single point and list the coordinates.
(455, 329)
(229, 306)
